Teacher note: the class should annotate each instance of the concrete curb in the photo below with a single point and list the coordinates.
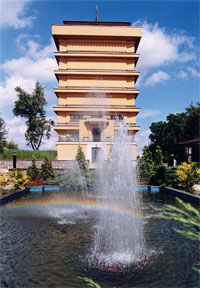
(13, 196)
(193, 199)
(17, 194)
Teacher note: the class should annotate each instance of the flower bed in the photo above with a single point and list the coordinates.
(31, 183)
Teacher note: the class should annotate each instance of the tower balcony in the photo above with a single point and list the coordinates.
(96, 90)
(97, 108)
(85, 139)
(96, 54)
(94, 120)
(97, 72)
(67, 126)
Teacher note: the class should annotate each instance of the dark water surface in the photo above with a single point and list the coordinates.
(47, 246)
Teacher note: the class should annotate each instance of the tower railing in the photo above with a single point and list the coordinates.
(86, 139)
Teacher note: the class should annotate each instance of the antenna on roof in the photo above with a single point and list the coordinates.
(96, 13)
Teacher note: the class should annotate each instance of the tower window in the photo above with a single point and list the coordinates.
(76, 116)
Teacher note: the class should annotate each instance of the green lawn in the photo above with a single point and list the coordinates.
(27, 154)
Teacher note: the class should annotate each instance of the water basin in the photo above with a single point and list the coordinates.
(47, 241)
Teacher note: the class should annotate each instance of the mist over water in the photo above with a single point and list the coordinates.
(119, 238)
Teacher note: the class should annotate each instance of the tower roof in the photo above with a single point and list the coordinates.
(95, 23)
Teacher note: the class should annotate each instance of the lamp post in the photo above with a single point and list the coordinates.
(14, 161)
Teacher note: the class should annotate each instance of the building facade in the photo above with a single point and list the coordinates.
(96, 85)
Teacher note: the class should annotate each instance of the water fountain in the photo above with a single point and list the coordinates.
(119, 238)
(47, 237)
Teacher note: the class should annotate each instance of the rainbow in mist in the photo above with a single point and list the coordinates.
(79, 202)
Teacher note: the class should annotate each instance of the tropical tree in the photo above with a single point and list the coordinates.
(185, 214)
(89, 282)
(3, 133)
(31, 107)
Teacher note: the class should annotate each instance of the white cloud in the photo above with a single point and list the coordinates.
(148, 113)
(13, 14)
(8, 94)
(36, 64)
(142, 140)
(40, 69)
(194, 72)
(158, 48)
(22, 39)
(35, 51)
(25, 71)
(182, 74)
(16, 130)
(185, 57)
(156, 78)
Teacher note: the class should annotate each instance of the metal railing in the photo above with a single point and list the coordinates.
(89, 139)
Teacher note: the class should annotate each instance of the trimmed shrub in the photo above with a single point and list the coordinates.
(47, 170)
(32, 171)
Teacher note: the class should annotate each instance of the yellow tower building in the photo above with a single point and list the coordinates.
(96, 85)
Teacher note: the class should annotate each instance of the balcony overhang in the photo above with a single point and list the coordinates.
(95, 54)
(96, 121)
(93, 73)
(96, 90)
(97, 108)
(134, 128)
(65, 127)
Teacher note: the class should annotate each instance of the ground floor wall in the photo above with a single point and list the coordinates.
(68, 151)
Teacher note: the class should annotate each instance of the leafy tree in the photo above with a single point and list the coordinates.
(148, 166)
(192, 122)
(31, 107)
(11, 145)
(167, 135)
(177, 128)
(3, 133)
(188, 175)
(32, 171)
(152, 170)
(185, 214)
(47, 170)
(158, 157)
(145, 165)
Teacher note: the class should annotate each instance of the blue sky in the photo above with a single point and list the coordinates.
(169, 61)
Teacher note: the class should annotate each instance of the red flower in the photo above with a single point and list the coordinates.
(35, 182)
